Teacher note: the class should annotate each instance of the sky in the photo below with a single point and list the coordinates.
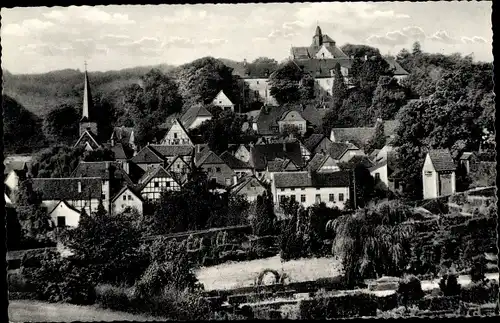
(42, 39)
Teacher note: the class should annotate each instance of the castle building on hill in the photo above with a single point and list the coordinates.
(322, 47)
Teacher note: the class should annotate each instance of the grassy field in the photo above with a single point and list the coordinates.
(34, 311)
(241, 274)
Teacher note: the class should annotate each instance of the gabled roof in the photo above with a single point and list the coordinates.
(69, 206)
(269, 116)
(209, 157)
(261, 154)
(360, 160)
(244, 181)
(89, 134)
(233, 162)
(67, 188)
(147, 155)
(14, 165)
(222, 95)
(318, 161)
(154, 172)
(442, 160)
(311, 179)
(192, 113)
(313, 141)
(338, 149)
(396, 68)
(172, 150)
(280, 165)
(118, 150)
(99, 169)
(317, 67)
(125, 188)
(467, 155)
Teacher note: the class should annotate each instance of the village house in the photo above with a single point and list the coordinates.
(240, 167)
(14, 171)
(384, 167)
(170, 152)
(309, 188)
(177, 134)
(113, 177)
(222, 101)
(147, 158)
(124, 136)
(64, 215)
(399, 73)
(127, 198)
(343, 152)
(322, 162)
(180, 169)
(317, 143)
(438, 174)
(192, 118)
(292, 119)
(249, 187)
(242, 152)
(155, 181)
(78, 193)
(263, 154)
(216, 169)
(469, 161)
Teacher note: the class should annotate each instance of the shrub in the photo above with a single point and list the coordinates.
(477, 272)
(112, 297)
(480, 292)
(449, 285)
(410, 289)
(338, 307)
(439, 303)
(17, 283)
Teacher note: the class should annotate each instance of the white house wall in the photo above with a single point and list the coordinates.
(262, 87)
(72, 217)
(382, 171)
(310, 195)
(153, 192)
(430, 182)
(125, 200)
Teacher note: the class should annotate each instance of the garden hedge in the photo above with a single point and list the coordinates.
(339, 307)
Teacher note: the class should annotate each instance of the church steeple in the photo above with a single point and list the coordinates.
(318, 37)
(87, 97)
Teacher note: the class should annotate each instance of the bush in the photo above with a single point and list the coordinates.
(480, 292)
(449, 285)
(439, 303)
(477, 272)
(338, 307)
(409, 289)
(17, 283)
(112, 297)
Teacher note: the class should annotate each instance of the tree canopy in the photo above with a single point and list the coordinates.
(61, 125)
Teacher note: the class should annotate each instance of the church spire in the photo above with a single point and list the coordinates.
(318, 37)
(87, 97)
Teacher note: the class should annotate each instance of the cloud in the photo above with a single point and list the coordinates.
(443, 37)
(93, 15)
(213, 42)
(26, 27)
(294, 25)
(473, 40)
(80, 47)
(414, 32)
(398, 37)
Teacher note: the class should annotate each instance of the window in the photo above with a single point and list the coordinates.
(175, 135)
(331, 198)
(103, 196)
(301, 126)
(318, 198)
(396, 184)
(228, 181)
(157, 184)
(282, 189)
(257, 82)
(124, 197)
(220, 102)
(292, 189)
(61, 221)
(428, 173)
(130, 197)
(167, 184)
(282, 198)
(377, 176)
(217, 169)
(341, 197)
(303, 198)
(303, 189)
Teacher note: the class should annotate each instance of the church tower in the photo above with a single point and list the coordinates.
(87, 122)
(318, 37)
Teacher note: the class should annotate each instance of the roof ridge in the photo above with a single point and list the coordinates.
(92, 177)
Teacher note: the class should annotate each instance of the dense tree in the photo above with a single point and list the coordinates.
(61, 125)
(373, 242)
(161, 95)
(360, 51)
(108, 246)
(264, 220)
(22, 130)
(354, 111)
(339, 88)
(387, 99)
(378, 140)
(285, 83)
(33, 217)
(362, 184)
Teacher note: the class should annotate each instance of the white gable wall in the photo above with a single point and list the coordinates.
(72, 216)
(324, 53)
(127, 199)
(429, 179)
(12, 181)
(176, 136)
(382, 171)
(221, 100)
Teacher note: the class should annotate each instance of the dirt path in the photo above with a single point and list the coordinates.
(33, 311)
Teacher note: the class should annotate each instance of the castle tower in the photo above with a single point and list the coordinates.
(87, 122)
(318, 37)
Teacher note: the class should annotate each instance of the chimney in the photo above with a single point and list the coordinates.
(79, 187)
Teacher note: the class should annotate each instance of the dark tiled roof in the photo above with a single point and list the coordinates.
(311, 179)
(442, 160)
(263, 153)
(337, 149)
(466, 155)
(89, 134)
(147, 155)
(317, 161)
(313, 141)
(359, 135)
(172, 150)
(397, 69)
(360, 160)
(322, 67)
(280, 165)
(192, 113)
(98, 169)
(269, 116)
(314, 115)
(243, 182)
(118, 150)
(209, 158)
(67, 188)
(233, 162)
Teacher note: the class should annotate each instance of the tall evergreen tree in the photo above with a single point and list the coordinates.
(339, 88)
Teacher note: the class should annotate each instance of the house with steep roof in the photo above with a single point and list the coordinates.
(127, 198)
(64, 215)
(195, 116)
(257, 80)
(155, 181)
(177, 134)
(317, 143)
(343, 152)
(215, 167)
(242, 152)
(240, 167)
(262, 154)
(146, 158)
(222, 101)
(322, 163)
(469, 161)
(79, 193)
(170, 152)
(179, 169)
(249, 187)
(438, 174)
(383, 169)
(88, 141)
(291, 119)
(309, 188)
(112, 175)
(399, 73)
